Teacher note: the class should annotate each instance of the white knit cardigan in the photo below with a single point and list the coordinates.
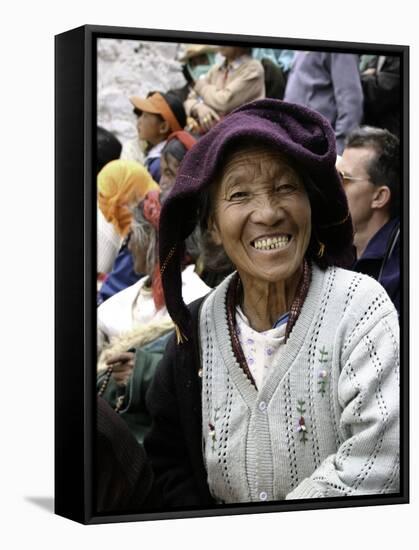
(326, 421)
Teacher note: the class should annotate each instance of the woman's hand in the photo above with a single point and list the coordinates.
(122, 366)
(207, 117)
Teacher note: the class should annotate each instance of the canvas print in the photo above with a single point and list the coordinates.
(248, 275)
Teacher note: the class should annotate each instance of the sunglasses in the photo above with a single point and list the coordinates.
(344, 177)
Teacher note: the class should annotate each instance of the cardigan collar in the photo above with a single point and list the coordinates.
(231, 303)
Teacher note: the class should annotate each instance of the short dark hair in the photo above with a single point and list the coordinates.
(384, 167)
(108, 148)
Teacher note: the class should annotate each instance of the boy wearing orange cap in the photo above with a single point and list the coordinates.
(159, 115)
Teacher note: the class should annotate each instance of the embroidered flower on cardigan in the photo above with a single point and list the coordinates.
(211, 429)
(322, 381)
(302, 428)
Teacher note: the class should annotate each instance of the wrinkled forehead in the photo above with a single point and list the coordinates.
(252, 161)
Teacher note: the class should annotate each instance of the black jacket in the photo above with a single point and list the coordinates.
(382, 94)
(174, 443)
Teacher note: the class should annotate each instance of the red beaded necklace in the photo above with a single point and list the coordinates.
(233, 294)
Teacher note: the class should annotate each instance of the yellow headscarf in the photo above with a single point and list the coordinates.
(121, 184)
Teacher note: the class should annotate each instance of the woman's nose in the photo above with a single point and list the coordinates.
(266, 210)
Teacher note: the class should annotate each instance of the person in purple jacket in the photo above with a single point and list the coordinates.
(329, 83)
(370, 172)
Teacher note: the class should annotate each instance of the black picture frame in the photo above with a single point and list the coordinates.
(75, 270)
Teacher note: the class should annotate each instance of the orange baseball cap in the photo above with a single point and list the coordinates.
(167, 106)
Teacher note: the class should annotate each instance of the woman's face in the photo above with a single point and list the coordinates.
(261, 215)
(169, 166)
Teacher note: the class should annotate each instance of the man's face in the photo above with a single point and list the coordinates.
(359, 190)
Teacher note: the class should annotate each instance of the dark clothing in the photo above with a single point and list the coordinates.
(153, 166)
(274, 79)
(123, 476)
(371, 262)
(133, 410)
(174, 444)
(121, 276)
(382, 93)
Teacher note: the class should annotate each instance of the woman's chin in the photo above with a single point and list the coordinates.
(273, 274)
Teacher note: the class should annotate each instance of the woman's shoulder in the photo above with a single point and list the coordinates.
(359, 291)
(350, 278)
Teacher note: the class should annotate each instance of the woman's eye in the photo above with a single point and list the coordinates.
(285, 188)
(238, 195)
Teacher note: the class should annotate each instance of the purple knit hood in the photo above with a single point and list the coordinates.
(295, 131)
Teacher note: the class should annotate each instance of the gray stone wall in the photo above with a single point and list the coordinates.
(132, 67)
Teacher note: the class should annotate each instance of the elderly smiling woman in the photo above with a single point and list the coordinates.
(282, 383)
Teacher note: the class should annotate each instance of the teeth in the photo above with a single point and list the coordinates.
(271, 243)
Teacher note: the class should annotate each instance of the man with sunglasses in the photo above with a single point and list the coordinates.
(370, 172)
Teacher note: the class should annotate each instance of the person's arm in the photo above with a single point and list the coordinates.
(367, 462)
(248, 84)
(346, 81)
(194, 100)
(190, 102)
(199, 111)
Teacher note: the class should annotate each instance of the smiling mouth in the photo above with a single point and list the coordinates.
(271, 243)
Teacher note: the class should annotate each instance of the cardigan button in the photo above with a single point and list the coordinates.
(263, 495)
(262, 406)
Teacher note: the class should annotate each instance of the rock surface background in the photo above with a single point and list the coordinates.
(132, 67)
